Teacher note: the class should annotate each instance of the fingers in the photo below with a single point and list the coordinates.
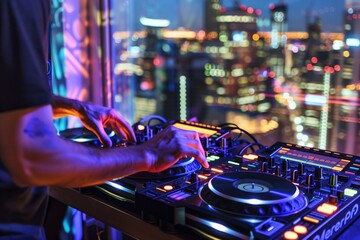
(120, 126)
(101, 134)
(193, 146)
(123, 128)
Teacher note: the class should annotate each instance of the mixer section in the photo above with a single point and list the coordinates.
(250, 191)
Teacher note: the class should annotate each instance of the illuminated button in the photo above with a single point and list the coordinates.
(290, 235)
(250, 157)
(311, 219)
(202, 176)
(160, 189)
(350, 192)
(234, 163)
(141, 127)
(217, 170)
(211, 158)
(326, 208)
(168, 187)
(337, 168)
(300, 229)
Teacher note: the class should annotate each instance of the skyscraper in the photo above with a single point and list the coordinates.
(350, 113)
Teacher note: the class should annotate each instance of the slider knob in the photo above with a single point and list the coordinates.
(271, 162)
(223, 144)
(310, 179)
(318, 173)
(277, 171)
(294, 175)
(264, 167)
(333, 180)
(285, 166)
(301, 169)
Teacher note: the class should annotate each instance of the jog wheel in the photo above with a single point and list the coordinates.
(253, 194)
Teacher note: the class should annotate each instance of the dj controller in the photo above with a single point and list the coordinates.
(250, 191)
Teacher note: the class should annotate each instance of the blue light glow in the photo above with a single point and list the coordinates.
(315, 100)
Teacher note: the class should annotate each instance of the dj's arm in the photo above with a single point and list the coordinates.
(34, 154)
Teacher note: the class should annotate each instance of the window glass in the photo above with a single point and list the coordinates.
(283, 70)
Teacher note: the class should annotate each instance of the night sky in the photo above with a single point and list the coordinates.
(190, 13)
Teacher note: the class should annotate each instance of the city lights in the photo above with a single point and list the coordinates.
(305, 79)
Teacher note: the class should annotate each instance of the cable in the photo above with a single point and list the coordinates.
(251, 145)
(151, 118)
(233, 126)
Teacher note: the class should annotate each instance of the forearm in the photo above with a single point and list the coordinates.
(71, 164)
(34, 154)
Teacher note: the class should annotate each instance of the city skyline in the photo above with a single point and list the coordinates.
(189, 14)
(330, 12)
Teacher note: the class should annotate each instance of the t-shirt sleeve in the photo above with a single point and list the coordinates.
(23, 54)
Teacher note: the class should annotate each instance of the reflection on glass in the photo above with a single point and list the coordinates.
(277, 69)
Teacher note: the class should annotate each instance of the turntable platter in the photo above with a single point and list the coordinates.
(253, 194)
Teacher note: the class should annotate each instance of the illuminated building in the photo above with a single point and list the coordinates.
(212, 10)
(278, 38)
(237, 72)
(348, 135)
(278, 25)
(237, 78)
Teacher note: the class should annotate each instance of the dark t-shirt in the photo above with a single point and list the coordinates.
(23, 83)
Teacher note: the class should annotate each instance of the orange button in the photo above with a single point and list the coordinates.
(217, 170)
(168, 187)
(300, 229)
(326, 208)
(290, 235)
(310, 219)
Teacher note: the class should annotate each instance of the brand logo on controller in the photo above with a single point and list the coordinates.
(327, 233)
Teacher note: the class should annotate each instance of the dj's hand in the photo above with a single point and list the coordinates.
(172, 144)
(95, 118)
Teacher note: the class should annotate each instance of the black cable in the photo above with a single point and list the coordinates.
(233, 126)
(251, 145)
